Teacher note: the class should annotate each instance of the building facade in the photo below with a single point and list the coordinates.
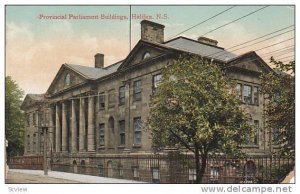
(93, 111)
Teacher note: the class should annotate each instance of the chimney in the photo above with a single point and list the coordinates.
(207, 41)
(152, 32)
(99, 60)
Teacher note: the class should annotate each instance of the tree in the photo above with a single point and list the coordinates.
(14, 118)
(196, 107)
(279, 89)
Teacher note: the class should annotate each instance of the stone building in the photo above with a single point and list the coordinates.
(95, 111)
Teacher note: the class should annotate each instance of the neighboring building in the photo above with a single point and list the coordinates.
(101, 110)
(33, 105)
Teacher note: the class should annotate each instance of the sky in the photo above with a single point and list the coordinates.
(37, 46)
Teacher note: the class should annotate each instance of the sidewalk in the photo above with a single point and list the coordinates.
(37, 176)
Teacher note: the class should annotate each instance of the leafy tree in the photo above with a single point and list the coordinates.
(196, 107)
(14, 118)
(279, 87)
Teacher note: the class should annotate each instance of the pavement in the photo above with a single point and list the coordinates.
(17, 176)
(290, 178)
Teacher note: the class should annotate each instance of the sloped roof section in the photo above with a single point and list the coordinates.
(92, 72)
(32, 99)
(195, 47)
(36, 97)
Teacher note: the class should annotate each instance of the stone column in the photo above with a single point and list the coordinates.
(91, 125)
(57, 129)
(64, 132)
(82, 137)
(74, 128)
(51, 129)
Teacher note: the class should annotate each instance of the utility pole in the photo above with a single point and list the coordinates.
(44, 127)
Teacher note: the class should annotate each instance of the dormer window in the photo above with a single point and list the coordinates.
(67, 80)
(146, 55)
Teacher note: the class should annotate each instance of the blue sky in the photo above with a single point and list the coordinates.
(43, 45)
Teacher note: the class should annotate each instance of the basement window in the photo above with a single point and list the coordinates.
(214, 175)
(135, 170)
(192, 175)
(155, 175)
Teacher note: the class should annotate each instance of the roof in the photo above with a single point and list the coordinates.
(32, 99)
(202, 49)
(37, 97)
(180, 44)
(92, 72)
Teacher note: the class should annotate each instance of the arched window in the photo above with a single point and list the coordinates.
(75, 170)
(111, 124)
(146, 55)
(67, 80)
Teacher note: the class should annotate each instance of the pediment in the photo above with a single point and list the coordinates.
(31, 99)
(143, 52)
(65, 78)
(251, 62)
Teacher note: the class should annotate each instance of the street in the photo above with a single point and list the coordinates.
(37, 176)
(17, 178)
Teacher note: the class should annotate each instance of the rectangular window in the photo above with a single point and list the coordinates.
(136, 173)
(101, 170)
(27, 120)
(28, 143)
(239, 91)
(156, 81)
(34, 119)
(111, 97)
(137, 90)
(102, 100)
(256, 126)
(122, 132)
(155, 175)
(255, 95)
(137, 130)
(121, 171)
(214, 175)
(101, 134)
(122, 95)
(192, 174)
(247, 92)
(34, 143)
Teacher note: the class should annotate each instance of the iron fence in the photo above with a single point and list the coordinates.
(26, 162)
(172, 168)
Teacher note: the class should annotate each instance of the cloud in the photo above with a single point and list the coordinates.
(33, 61)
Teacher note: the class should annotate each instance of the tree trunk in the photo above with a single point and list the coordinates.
(200, 168)
(197, 162)
(203, 167)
